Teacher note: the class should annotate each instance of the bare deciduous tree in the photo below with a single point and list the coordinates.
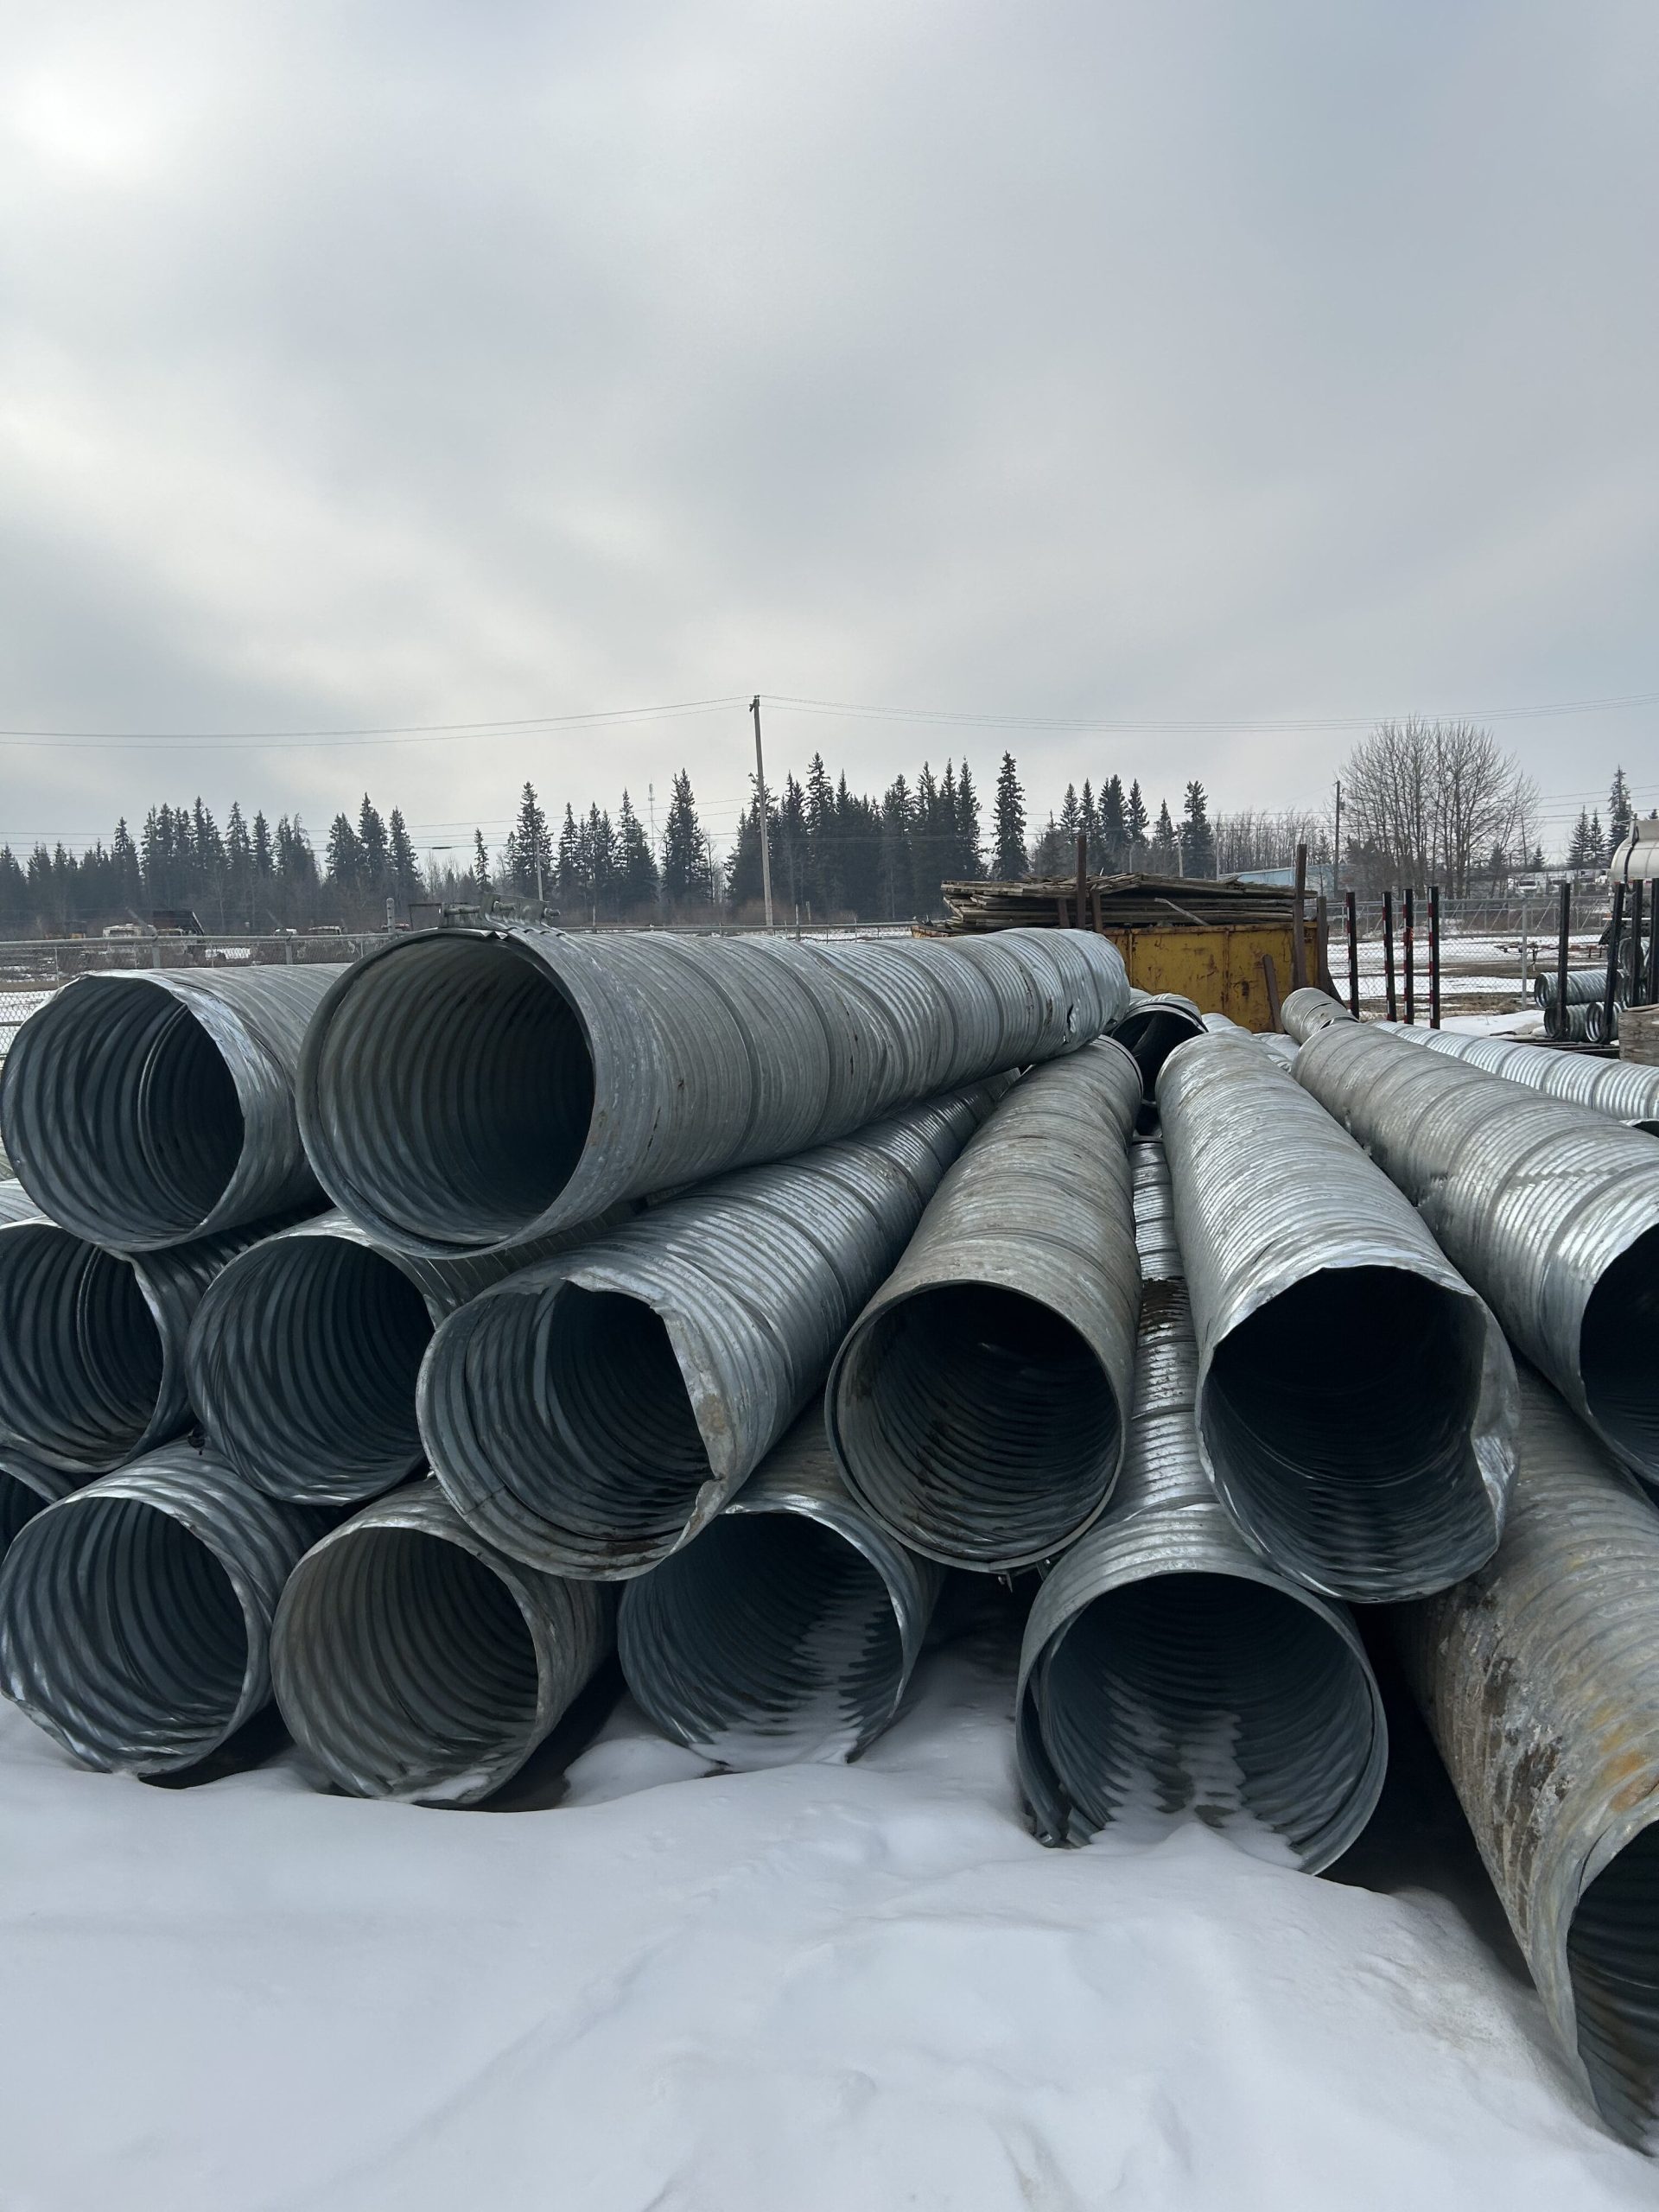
(1431, 801)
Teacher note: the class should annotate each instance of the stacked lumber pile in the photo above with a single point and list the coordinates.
(1120, 902)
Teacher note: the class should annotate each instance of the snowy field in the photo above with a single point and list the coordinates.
(813, 1990)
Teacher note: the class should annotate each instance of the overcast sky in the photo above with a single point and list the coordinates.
(1241, 366)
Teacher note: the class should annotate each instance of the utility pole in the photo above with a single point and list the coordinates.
(766, 827)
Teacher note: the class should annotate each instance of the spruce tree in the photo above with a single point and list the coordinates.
(970, 837)
(1114, 825)
(1197, 839)
(637, 863)
(480, 864)
(1618, 811)
(1134, 826)
(1011, 860)
(373, 862)
(531, 851)
(402, 868)
(685, 865)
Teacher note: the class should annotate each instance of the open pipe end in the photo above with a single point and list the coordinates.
(122, 1635)
(119, 1113)
(769, 1640)
(404, 1668)
(978, 1424)
(559, 1424)
(1340, 1420)
(447, 1091)
(82, 1377)
(1612, 1956)
(1214, 1697)
(303, 1363)
(1618, 1354)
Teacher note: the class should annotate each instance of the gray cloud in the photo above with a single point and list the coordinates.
(1153, 362)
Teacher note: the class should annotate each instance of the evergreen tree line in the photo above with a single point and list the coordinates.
(835, 854)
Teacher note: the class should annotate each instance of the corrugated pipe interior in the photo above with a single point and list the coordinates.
(94, 1370)
(1622, 1089)
(25, 1490)
(1539, 1678)
(465, 1088)
(1551, 1209)
(1357, 1400)
(977, 1405)
(1156, 1023)
(1169, 1671)
(135, 1614)
(789, 1629)
(147, 1110)
(413, 1661)
(1308, 1009)
(592, 1412)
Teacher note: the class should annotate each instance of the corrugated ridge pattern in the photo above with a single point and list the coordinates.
(977, 1405)
(135, 1614)
(1357, 1400)
(1540, 1679)
(413, 1661)
(789, 1629)
(591, 1413)
(471, 1087)
(1551, 1209)
(147, 1110)
(1622, 1089)
(1167, 1665)
(1308, 1009)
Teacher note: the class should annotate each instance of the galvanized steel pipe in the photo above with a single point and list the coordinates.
(1540, 1679)
(1622, 1089)
(1551, 1209)
(92, 1342)
(26, 1489)
(465, 1088)
(1357, 1400)
(151, 1108)
(592, 1412)
(977, 1405)
(1169, 1669)
(789, 1629)
(1156, 1023)
(304, 1355)
(1308, 1009)
(135, 1614)
(412, 1660)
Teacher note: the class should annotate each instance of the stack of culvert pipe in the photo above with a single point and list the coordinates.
(1156, 1023)
(411, 1659)
(977, 1405)
(305, 1352)
(135, 1614)
(1539, 1678)
(592, 1413)
(1310, 1008)
(1168, 1668)
(151, 1108)
(93, 1364)
(465, 1088)
(1550, 1210)
(789, 1630)
(1622, 1089)
(1356, 1398)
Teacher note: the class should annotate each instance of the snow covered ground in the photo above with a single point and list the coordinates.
(812, 1990)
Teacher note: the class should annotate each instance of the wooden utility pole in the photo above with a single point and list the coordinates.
(765, 826)
(1083, 881)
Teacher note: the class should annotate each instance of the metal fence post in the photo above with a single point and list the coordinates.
(1434, 955)
(1409, 943)
(1353, 957)
(1387, 953)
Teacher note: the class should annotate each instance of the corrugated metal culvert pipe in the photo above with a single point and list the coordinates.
(977, 1405)
(594, 1411)
(1168, 1668)
(789, 1629)
(1540, 1678)
(135, 1615)
(1357, 1400)
(1308, 1009)
(1622, 1089)
(26, 1489)
(1156, 1023)
(92, 1342)
(412, 1660)
(150, 1109)
(1552, 1210)
(305, 1352)
(467, 1087)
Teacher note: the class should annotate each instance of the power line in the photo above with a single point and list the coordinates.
(386, 733)
(1242, 725)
